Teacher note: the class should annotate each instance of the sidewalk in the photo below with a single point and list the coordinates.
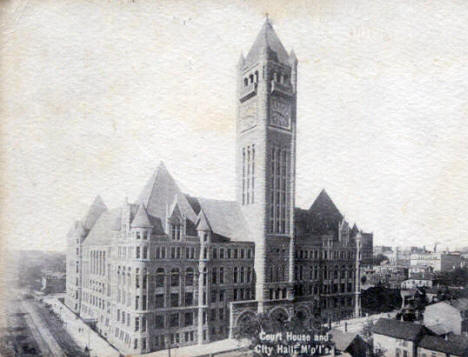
(83, 335)
(208, 349)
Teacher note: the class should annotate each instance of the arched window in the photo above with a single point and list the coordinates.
(251, 78)
(175, 277)
(145, 252)
(189, 277)
(246, 82)
(160, 277)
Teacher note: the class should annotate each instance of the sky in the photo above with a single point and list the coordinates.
(94, 94)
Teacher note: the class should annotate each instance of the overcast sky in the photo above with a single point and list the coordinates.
(96, 93)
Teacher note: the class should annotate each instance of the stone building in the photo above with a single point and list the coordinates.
(170, 269)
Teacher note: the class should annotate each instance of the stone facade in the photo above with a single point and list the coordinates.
(170, 269)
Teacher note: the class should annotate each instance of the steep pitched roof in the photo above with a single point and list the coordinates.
(160, 192)
(399, 329)
(324, 216)
(267, 41)
(95, 210)
(141, 219)
(225, 218)
(202, 222)
(342, 339)
(103, 230)
(453, 347)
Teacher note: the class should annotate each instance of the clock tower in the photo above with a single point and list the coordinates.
(266, 160)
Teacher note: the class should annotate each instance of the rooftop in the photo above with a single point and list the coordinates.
(399, 329)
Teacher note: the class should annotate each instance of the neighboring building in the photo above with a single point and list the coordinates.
(418, 280)
(447, 316)
(395, 338)
(53, 283)
(433, 346)
(382, 249)
(437, 261)
(170, 270)
(348, 343)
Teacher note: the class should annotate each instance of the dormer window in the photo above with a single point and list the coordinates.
(205, 237)
(138, 236)
(175, 231)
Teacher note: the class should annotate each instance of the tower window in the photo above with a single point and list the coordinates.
(279, 205)
(248, 175)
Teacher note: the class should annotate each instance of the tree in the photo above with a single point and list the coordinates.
(379, 258)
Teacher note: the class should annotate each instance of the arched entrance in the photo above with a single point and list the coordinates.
(279, 314)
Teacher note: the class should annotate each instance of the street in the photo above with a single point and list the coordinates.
(52, 330)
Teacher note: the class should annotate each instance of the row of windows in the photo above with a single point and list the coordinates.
(302, 290)
(97, 261)
(143, 252)
(326, 273)
(332, 255)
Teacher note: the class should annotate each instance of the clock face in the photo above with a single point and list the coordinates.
(280, 113)
(248, 115)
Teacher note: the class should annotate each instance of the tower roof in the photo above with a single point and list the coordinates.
(141, 219)
(267, 41)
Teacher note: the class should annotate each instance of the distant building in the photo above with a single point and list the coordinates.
(53, 283)
(418, 281)
(419, 269)
(394, 338)
(382, 249)
(447, 316)
(437, 261)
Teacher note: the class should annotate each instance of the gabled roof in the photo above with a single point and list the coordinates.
(225, 219)
(160, 191)
(342, 339)
(267, 41)
(95, 210)
(141, 219)
(103, 230)
(398, 329)
(453, 347)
